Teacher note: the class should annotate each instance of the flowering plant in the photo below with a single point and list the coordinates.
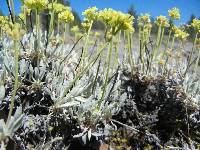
(36, 4)
(174, 13)
(162, 21)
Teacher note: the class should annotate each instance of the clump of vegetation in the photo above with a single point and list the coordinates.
(98, 92)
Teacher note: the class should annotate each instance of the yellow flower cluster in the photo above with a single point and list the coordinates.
(5, 24)
(3, 21)
(90, 13)
(36, 4)
(66, 16)
(116, 19)
(144, 19)
(57, 7)
(174, 13)
(75, 29)
(15, 32)
(86, 24)
(178, 33)
(162, 21)
(196, 24)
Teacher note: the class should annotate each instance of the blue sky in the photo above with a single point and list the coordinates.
(154, 7)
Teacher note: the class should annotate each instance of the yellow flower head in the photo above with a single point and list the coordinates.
(75, 29)
(178, 33)
(174, 28)
(196, 24)
(4, 23)
(86, 24)
(163, 21)
(90, 13)
(144, 20)
(36, 4)
(3, 20)
(66, 16)
(57, 7)
(116, 19)
(174, 13)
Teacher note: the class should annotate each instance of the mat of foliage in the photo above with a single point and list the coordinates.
(156, 113)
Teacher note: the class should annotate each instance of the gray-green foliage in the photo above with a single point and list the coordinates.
(8, 129)
(2, 87)
(64, 71)
(36, 75)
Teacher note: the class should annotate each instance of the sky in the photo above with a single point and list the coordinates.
(154, 7)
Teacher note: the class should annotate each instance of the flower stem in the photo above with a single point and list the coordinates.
(173, 40)
(130, 55)
(157, 42)
(16, 82)
(161, 38)
(197, 61)
(51, 28)
(108, 70)
(58, 28)
(155, 49)
(37, 30)
(168, 39)
(24, 17)
(117, 50)
(1, 34)
(140, 45)
(65, 33)
(85, 50)
(193, 48)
